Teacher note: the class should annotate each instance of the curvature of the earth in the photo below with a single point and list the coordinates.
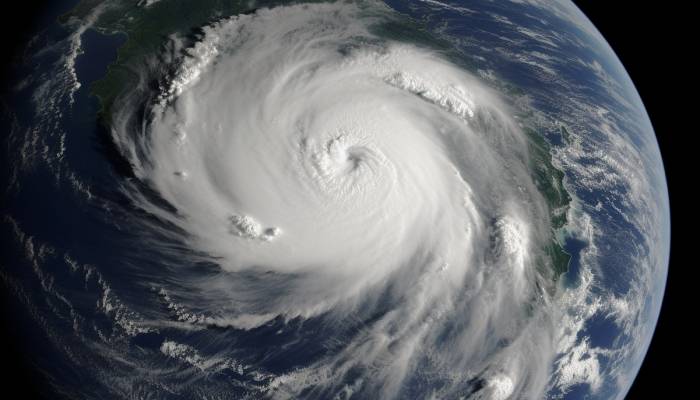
(332, 200)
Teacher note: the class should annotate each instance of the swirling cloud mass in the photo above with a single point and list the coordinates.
(337, 200)
(366, 183)
(343, 200)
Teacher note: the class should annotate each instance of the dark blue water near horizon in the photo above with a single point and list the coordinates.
(52, 212)
(622, 240)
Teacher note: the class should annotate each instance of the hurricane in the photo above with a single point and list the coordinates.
(331, 201)
(335, 175)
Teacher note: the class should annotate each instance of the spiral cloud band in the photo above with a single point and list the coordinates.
(338, 176)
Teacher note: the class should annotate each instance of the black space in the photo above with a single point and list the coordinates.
(651, 40)
(16, 31)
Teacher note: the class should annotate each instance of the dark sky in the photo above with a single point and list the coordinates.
(15, 31)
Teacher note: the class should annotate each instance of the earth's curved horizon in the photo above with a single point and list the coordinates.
(351, 200)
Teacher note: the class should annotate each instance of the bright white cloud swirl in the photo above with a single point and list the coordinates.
(333, 173)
